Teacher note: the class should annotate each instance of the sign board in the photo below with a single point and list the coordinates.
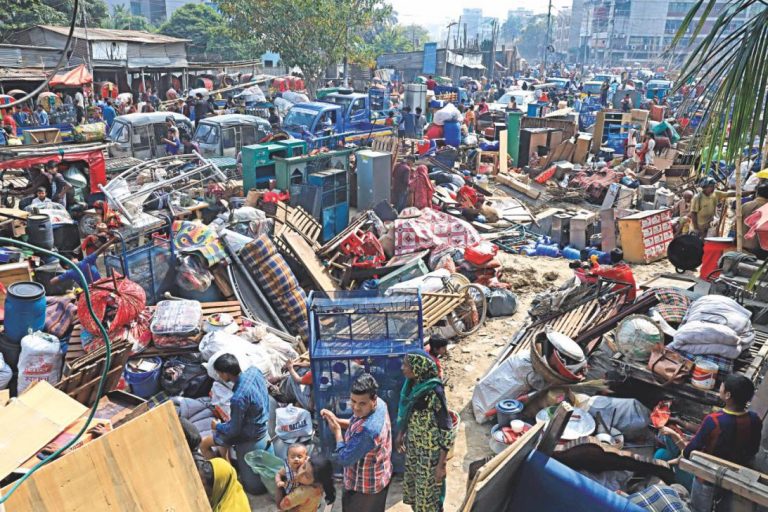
(430, 59)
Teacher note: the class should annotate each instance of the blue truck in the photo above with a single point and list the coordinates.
(340, 118)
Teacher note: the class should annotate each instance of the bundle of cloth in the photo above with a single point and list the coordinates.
(199, 411)
(714, 325)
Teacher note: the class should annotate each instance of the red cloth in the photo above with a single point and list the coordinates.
(8, 120)
(422, 187)
(622, 273)
(431, 84)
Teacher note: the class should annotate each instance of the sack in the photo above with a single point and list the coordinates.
(6, 374)
(669, 367)
(481, 253)
(293, 423)
(266, 466)
(501, 302)
(185, 376)
(42, 357)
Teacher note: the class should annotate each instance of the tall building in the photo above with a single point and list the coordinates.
(561, 33)
(156, 11)
(624, 32)
(472, 20)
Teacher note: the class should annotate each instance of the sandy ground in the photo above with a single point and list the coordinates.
(472, 356)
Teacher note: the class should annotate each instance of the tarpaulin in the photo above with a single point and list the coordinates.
(97, 167)
(72, 78)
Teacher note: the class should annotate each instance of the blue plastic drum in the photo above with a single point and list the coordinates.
(24, 309)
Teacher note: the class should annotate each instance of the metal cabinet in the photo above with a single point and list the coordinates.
(374, 178)
(334, 201)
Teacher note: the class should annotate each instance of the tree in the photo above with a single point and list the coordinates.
(310, 34)
(22, 14)
(511, 29)
(122, 19)
(731, 65)
(210, 34)
(533, 37)
(416, 35)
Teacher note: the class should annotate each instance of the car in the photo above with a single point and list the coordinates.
(522, 98)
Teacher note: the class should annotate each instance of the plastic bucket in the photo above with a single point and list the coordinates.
(24, 309)
(713, 250)
(704, 374)
(144, 383)
(456, 419)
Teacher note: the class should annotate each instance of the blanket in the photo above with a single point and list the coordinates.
(417, 230)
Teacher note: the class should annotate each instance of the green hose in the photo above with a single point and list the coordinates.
(102, 379)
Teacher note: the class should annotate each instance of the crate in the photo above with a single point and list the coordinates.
(355, 332)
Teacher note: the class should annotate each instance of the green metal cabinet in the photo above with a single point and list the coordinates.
(259, 164)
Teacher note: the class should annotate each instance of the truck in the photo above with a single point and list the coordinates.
(340, 118)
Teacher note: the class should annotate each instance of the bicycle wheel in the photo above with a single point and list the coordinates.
(469, 316)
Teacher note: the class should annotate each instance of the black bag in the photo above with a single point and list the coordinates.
(185, 376)
(501, 302)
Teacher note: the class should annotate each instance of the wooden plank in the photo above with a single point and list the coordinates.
(554, 431)
(741, 481)
(503, 150)
(310, 261)
(497, 473)
(33, 420)
(112, 472)
(517, 185)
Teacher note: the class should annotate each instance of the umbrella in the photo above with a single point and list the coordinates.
(48, 99)
(5, 99)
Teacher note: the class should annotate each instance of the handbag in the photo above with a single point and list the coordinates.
(667, 366)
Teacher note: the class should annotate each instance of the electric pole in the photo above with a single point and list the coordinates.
(447, 44)
(546, 43)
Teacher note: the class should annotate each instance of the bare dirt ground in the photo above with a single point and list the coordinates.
(469, 359)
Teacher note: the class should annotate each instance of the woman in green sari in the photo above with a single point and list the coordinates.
(425, 434)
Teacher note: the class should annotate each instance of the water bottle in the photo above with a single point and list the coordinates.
(571, 253)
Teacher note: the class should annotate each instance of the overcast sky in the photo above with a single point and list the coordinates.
(429, 12)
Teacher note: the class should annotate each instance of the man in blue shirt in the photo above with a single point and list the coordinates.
(246, 429)
(41, 116)
(109, 114)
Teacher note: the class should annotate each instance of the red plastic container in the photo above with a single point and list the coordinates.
(713, 249)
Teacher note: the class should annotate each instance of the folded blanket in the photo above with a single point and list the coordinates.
(705, 333)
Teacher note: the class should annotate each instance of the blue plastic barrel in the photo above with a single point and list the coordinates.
(452, 133)
(571, 253)
(144, 384)
(553, 251)
(24, 309)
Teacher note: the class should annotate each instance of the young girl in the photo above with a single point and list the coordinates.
(313, 479)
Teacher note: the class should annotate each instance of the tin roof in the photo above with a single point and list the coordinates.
(104, 34)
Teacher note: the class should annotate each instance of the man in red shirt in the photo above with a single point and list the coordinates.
(9, 121)
(431, 84)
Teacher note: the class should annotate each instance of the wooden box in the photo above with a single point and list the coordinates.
(583, 144)
(646, 235)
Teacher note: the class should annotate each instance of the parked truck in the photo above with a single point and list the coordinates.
(341, 118)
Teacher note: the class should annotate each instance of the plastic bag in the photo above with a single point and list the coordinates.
(501, 302)
(513, 377)
(6, 374)
(41, 359)
(266, 466)
(447, 113)
(481, 253)
(185, 376)
(191, 275)
(293, 423)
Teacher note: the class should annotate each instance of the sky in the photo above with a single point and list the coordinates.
(430, 12)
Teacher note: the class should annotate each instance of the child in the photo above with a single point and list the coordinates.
(313, 480)
(286, 477)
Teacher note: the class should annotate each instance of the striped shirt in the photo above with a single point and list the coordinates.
(732, 436)
(366, 452)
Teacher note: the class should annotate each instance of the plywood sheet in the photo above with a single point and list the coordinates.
(144, 465)
(503, 148)
(33, 420)
(310, 260)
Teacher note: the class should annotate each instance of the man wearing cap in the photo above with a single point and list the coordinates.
(401, 176)
(704, 206)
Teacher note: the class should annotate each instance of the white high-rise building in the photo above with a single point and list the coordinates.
(472, 20)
